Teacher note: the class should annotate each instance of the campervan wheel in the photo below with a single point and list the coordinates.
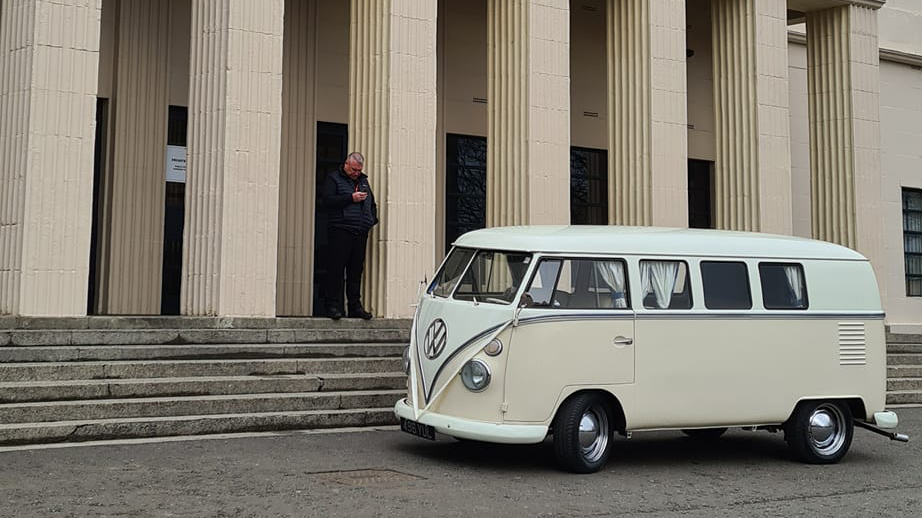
(820, 432)
(583, 433)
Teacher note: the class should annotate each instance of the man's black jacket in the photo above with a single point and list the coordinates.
(342, 211)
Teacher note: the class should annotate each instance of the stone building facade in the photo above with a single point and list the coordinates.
(163, 156)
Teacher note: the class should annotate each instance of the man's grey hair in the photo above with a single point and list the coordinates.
(355, 155)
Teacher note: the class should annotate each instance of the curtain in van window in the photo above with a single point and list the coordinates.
(792, 272)
(659, 277)
(613, 274)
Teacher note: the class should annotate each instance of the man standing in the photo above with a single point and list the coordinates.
(348, 200)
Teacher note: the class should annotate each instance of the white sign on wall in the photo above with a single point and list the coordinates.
(176, 164)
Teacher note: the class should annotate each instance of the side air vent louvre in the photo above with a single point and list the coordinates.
(852, 343)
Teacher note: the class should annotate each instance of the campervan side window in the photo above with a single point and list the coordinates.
(445, 281)
(726, 285)
(493, 277)
(665, 285)
(783, 286)
(580, 284)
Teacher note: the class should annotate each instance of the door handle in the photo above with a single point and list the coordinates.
(620, 340)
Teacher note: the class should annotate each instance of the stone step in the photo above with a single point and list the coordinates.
(35, 371)
(45, 411)
(202, 336)
(904, 371)
(187, 322)
(895, 384)
(904, 348)
(31, 391)
(904, 397)
(905, 338)
(904, 359)
(68, 353)
(99, 429)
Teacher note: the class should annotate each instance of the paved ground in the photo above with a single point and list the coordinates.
(658, 474)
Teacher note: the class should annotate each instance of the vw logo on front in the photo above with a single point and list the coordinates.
(436, 337)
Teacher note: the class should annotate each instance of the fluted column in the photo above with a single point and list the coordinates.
(49, 61)
(231, 226)
(298, 160)
(392, 114)
(528, 133)
(752, 170)
(648, 149)
(131, 258)
(843, 78)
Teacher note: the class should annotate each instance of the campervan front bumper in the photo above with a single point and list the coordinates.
(474, 430)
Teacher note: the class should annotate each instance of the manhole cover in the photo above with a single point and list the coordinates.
(363, 477)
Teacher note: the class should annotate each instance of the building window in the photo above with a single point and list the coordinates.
(465, 186)
(912, 240)
(726, 285)
(588, 186)
(699, 194)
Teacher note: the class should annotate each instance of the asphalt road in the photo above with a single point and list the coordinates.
(388, 473)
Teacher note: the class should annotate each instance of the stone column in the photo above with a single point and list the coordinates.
(49, 60)
(232, 191)
(298, 160)
(752, 171)
(843, 78)
(648, 143)
(528, 135)
(392, 116)
(131, 233)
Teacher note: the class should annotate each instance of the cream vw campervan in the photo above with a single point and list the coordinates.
(584, 332)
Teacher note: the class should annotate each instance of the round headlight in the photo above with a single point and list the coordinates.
(494, 347)
(406, 360)
(475, 375)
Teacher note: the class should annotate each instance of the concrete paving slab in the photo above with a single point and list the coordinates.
(389, 473)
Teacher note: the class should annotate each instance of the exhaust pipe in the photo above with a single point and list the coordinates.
(899, 437)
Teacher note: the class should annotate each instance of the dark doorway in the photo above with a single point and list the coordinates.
(332, 139)
(465, 185)
(99, 167)
(699, 194)
(588, 186)
(174, 210)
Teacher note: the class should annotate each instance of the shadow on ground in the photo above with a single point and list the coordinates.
(659, 449)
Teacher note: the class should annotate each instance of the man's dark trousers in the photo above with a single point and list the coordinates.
(347, 252)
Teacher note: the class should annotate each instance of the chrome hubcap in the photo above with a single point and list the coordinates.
(593, 433)
(826, 429)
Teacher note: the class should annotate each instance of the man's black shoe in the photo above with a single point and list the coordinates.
(334, 313)
(359, 312)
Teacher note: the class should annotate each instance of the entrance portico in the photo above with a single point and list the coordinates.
(449, 100)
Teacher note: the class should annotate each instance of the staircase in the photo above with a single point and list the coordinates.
(98, 378)
(904, 369)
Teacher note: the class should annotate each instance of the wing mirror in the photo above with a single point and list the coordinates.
(524, 302)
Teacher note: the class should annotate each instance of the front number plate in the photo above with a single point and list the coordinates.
(418, 429)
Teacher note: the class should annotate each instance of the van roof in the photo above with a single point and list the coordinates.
(653, 241)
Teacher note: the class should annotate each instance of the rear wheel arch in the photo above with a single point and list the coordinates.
(855, 404)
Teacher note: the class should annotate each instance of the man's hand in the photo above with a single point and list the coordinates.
(359, 196)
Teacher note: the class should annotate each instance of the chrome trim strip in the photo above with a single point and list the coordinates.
(758, 316)
(674, 315)
(465, 345)
(558, 317)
